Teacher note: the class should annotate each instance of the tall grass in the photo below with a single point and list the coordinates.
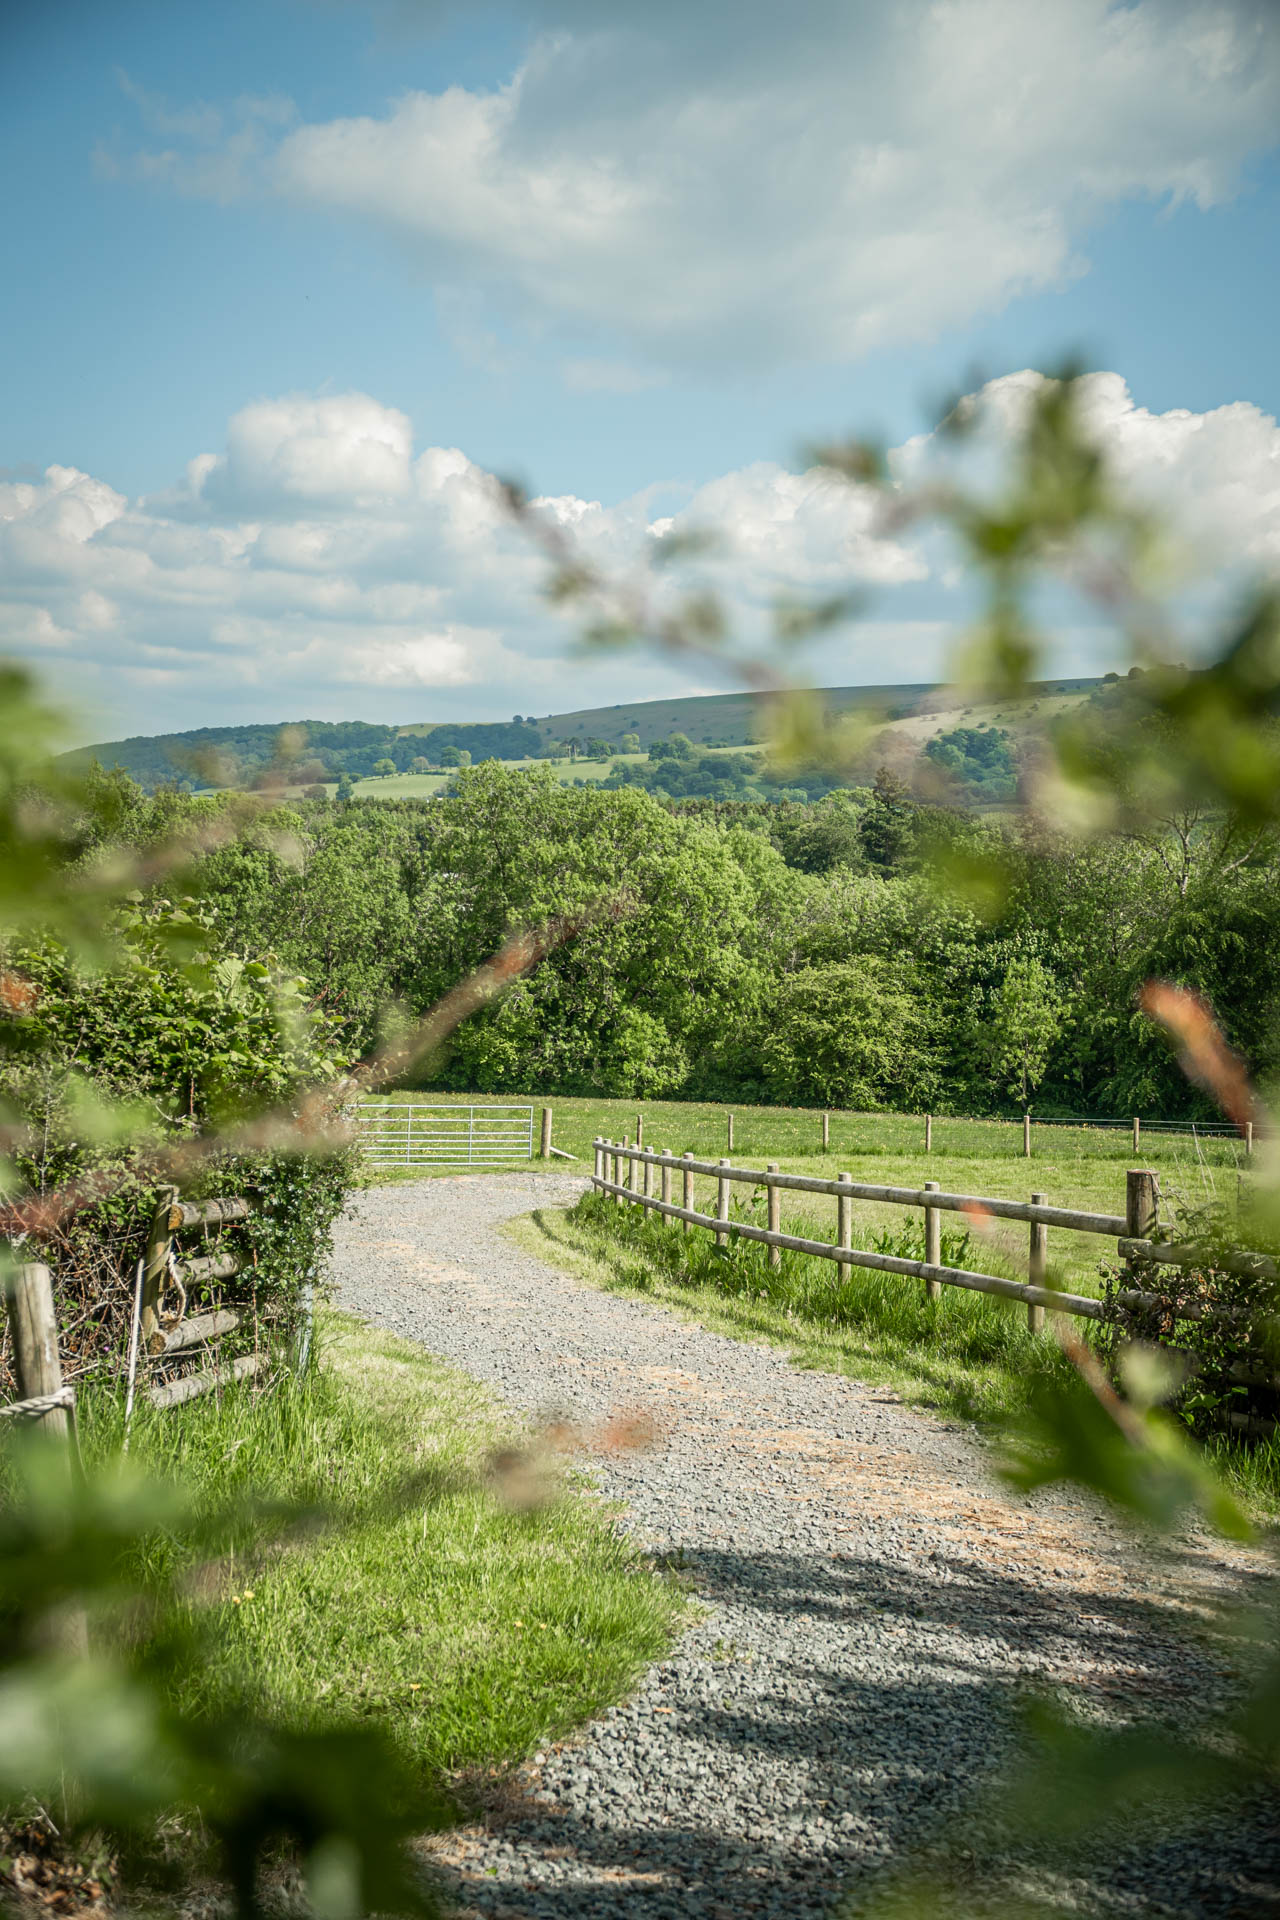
(412, 1592)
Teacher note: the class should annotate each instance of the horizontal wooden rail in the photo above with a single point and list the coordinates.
(1168, 1253)
(1047, 1297)
(207, 1213)
(190, 1333)
(1110, 1224)
(206, 1266)
(192, 1385)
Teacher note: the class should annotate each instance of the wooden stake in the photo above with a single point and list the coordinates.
(1137, 1133)
(156, 1257)
(648, 1180)
(844, 1214)
(686, 1190)
(1026, 1136)
(545, 1148)
(774, 1197)
(826, 1132)
(729, 1141)
(36, 1359)
(722, 1208)
(1038, 1263)
(639, 1129)
(932, 1243)
(1142, 1203)
(1248, 1138)
(928, 1133)
(665, 1194)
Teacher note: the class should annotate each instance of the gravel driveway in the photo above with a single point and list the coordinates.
(874, 1606)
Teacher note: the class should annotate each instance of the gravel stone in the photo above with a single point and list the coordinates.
(874, 1609)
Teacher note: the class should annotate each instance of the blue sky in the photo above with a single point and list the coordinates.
(637, 257)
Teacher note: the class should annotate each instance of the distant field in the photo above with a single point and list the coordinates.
(1072, 1166)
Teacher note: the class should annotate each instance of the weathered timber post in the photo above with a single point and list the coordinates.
(686, 1189)
(774, 1202)
(932, 1242)
(729, 1137)
(722, 1208)
(1026, 1136)
(1038, 1262)
(37, 1361)
(619, 1176)
(826, 1132)
(1248, 1138)
(647, 1189)
(1137, 1133)
(1141, 1203)
(156, 1262)
(598, 1155)
(544, 1150)
(844, 1214)
(665, 1194)
(639, 1129)
(928, 1133)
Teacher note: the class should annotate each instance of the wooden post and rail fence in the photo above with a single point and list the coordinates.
(626, 1173)
(155, 1339)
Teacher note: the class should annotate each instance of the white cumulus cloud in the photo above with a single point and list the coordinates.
(813, 181)
(320, 564)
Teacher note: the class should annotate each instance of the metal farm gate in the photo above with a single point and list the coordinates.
(407, 1133)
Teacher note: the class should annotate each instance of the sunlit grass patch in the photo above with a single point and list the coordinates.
(470, 1628)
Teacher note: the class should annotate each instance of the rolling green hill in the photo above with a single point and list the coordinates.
(321, 750)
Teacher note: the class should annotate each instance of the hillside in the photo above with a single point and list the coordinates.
(321, 750)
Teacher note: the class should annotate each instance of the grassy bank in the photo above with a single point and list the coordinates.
(470, 1625)
(966, 1354)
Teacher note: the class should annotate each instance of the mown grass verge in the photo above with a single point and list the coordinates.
(470, 1625)
(966, 1354)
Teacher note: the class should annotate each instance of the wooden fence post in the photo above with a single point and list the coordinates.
(1026, 1136)
(1248, 1139)
(544, 1152)
(826, 1132)
(932, 1242)
(597, 1163)
(156, 1259)
(639, 1129)
(1038, 1262)
(928, 1133)
(647, 1188)
(1141, 1203)
(37, 1361)
(722, 1207)
(729, 1138)
(844, 1216)
(774, 1201)
(686, 1189)
(619, 1176)
(665, 1195)
(1137, 1133)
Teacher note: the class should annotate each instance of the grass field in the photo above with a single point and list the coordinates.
(1072, 1166)
(469, 1627)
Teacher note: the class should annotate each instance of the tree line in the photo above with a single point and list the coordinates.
(867, 949)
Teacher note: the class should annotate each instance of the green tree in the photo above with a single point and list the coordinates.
(846, 1035)
(346, 786)
(1027, 1017)
(384, 768)
(629, 743)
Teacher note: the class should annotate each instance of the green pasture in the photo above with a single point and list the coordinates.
(1072, 1166)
